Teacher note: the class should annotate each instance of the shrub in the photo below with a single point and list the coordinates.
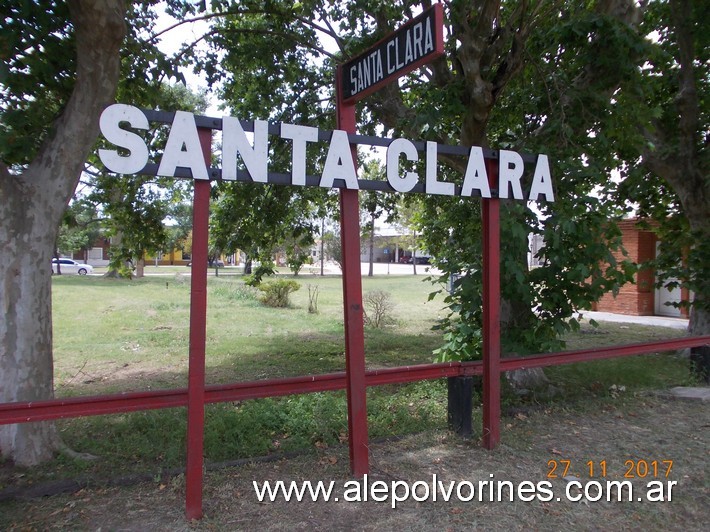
(312, 299)
(276, 293)
(378, 308)
(461, 342)
(251, 281)
(262, 270)
(236, 292)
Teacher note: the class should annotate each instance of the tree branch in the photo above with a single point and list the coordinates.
(332, 32)
(99, 31)
(687, 98)
(206, 16)
(680, 165)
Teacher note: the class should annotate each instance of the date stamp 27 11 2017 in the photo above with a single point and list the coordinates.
(631, 468)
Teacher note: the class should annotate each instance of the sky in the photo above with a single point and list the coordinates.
(170, 43)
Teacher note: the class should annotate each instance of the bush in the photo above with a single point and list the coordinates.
(251, 281)
(461, 343)
(276, 293)
(312, 299)
(263, 270)
(378, 309)
(236, 292)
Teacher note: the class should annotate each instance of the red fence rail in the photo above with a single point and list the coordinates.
(240, 391)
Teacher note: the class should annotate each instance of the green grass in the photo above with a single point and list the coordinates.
(114, 335)
(155, 440)
(635, 373)
(107, 332)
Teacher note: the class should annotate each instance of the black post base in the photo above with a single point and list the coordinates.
(700, 362)
(460, 405)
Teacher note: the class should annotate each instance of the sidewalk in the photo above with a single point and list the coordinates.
(659, 321)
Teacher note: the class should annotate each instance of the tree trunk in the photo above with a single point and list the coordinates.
(699, 324)
(370, 272)
(26, 367)
(414, 255)
(682, 160)
(140, 268)
(699, 320)
(113, 266)
(31, 207)
(59, 266)
(322, 247)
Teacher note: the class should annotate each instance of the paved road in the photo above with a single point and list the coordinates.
(397, 269)
(330, 268)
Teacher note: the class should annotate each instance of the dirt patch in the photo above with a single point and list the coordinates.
(619, 430)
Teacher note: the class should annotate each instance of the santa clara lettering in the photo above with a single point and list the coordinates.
(415, 43)
(404, 49)
(246, 152)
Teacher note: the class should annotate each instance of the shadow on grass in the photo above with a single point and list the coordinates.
(277, 357)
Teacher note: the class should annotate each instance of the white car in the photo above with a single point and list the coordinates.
(71, 266)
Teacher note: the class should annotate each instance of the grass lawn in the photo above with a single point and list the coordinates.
(116, 335)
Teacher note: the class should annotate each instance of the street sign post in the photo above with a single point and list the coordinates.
(414, 44)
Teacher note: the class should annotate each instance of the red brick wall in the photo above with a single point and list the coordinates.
(634, 299)
(101, 242)
(628, 301)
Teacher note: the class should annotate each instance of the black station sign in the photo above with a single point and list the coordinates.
(417, 42)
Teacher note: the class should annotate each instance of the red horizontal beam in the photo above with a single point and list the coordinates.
(420, 372)
(239, 391)
(598, 353)
(90, 405)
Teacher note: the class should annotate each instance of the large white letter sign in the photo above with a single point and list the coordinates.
(246, 150)
(476, 177)
(234, 140)
(300, 135)
(183, 133)
(433, 186)
(542, 181)
(339, 162)
(396, 148)
(110, 123)
(510, 171)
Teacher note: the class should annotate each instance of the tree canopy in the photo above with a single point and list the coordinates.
(565, 77)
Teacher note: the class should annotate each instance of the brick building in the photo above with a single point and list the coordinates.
(97, 254)
(642, 298)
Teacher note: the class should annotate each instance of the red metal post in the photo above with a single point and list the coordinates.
(491, 313)
(198, 324)
(352, 304)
